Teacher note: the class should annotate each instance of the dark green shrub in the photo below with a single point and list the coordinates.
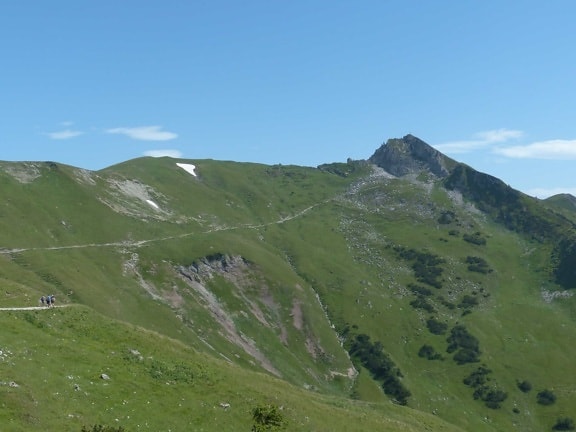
(564, 424)
(428, 351)
(546, 397)
(461, 338)
(383, 369)
(524, 386)
(393, 387)
(468, 302)
(422, 303)
(466, 345)
(267, 418)
(436, 327)
(446, 303)
(465, 355)
(100, 428)
(475, 238)
(419, 290)
(492, 397)
(477, 264)
(426, 265)
(478, 377)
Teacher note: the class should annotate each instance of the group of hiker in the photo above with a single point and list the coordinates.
(48, 300)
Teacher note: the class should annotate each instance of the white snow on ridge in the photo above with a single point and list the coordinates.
(188, 168)
(153, 204)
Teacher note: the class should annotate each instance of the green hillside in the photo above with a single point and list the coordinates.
(71, 367)
(353, 299)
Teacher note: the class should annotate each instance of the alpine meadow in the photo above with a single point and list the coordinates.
(403, 292)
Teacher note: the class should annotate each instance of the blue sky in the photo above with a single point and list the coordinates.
(490, 83)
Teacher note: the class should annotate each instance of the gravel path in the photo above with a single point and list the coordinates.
(30, 308)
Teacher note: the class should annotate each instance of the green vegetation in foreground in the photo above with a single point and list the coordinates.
(72, 368)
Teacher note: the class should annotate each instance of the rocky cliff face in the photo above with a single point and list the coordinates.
(411, 155)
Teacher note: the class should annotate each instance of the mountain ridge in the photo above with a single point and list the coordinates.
(413, 282)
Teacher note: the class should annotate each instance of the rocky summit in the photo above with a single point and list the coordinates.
(411, 155)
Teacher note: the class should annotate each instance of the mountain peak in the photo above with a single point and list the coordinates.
(411, 155)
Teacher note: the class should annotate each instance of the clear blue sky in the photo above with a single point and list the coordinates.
(92, 83)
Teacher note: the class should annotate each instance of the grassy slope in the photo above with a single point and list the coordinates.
(56, 358)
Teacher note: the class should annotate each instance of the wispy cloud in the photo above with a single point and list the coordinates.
(64, 134)
(499, 135)
(161, 153)
(551, 149)
(480, 140)
(144, 133)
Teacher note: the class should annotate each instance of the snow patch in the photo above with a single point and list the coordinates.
(153, 204)
(188, 168)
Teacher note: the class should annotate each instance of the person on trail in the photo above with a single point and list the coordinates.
(42, 299)
(52, 300)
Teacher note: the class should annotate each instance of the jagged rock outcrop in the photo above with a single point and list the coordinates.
(233, 267)
(411, 155)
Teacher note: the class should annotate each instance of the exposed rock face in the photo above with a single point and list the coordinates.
(243, 276)
(411, 155)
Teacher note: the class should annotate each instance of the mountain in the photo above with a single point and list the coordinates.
(516, 211)
(407, 291)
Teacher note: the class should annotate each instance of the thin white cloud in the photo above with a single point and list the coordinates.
(480, 140)
(548, 192)
(161, 153)
(499, 135)
(551, 149)
(144, 133)
(64, 134)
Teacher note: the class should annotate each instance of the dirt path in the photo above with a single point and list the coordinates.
(31, 308)
(138, 243)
